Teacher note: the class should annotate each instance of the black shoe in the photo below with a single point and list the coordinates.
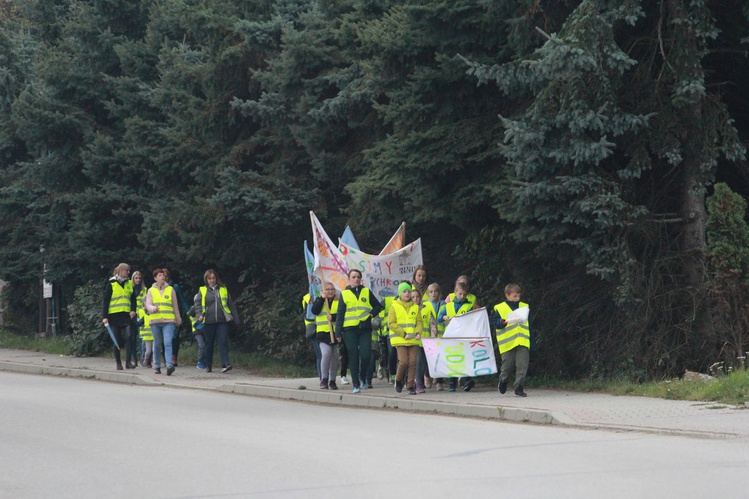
(226, 369)
(468, 385)
(398, 386)
(157, 371)
(119, 366)
(502, 386)
(208, 370)
(519, 391)
(324, 384)
(333, 386)
(411, 391)
(170, 370)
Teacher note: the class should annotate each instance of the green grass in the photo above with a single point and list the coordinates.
(56, 344)
(188, 353)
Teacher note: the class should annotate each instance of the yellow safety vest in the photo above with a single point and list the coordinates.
(406, 319)
(513, 335)
(427, 312)
(305, 301)
(120, 301)
(464, 309)
(470, 298)
(164, 302)
(223, 296)
(139, 305)
(321, 321)
(145, 329)
(384, 315)
(357, 310)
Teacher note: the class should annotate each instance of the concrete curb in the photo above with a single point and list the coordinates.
(408, 404)
(127, 378)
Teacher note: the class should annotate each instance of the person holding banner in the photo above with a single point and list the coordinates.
(325, 308)
(470, 297)
(118, 310)
(459, 305)
(404, 323)
(356, 308)
(513, 340)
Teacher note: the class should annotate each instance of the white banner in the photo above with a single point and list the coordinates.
(329, 263)
(473, 324)
(382, 273)
(458, 357)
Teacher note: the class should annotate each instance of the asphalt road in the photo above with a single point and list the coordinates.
(76, 438)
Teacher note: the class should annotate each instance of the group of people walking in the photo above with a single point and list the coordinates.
(147, 320)
(363, 331)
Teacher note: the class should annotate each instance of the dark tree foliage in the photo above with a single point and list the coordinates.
(568, 146)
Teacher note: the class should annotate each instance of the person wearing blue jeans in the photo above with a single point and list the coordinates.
(215, 308)
(356, 308)
(164, 317)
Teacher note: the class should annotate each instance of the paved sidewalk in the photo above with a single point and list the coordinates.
(583, 410)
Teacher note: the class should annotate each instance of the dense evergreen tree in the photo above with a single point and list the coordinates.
(191, 134)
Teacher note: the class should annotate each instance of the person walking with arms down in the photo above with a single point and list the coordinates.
(325, 307)
(161, 304)
(119, 309)
(356, 308)
(215, 308)
(404, 323)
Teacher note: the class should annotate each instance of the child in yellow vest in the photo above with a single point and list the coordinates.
(404, 324)
(513, 340)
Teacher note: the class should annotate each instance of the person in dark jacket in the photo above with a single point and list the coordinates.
(356, 308)
(119, 307)
(215, 308)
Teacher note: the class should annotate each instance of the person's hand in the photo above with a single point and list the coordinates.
(418, 336)
(105, 321)
(132, 314)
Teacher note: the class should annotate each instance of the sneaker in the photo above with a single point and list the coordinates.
(119, 366)
(468, 385)
(427, 382)
(502, 386)
(439, 387)
(226, 369)
(380, 373)
(364, 385)
(420, 389)
(200, 365)
(519, 391)
(398, 386)
(157, 371)
(356, 389)
(170, 370)
(324, 384)
(411, 391)
(208, 370)
(344, 380)
(333, 386)
(451, 388)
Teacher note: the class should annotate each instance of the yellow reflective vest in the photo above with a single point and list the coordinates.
(429, 312)
(223, 296)
(405, 320)
(513, 335)
(321, 321)
(357, 310)
(305, 302)
(120, 300)
(163, 300)
(145, 329)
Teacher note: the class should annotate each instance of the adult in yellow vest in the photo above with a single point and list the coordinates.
(118, 310)
(215, 308)
(310, 332)
(513, 340)
(459, 305)
(404, 323)
(325, 309)
(356, 308)
(161, 305)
